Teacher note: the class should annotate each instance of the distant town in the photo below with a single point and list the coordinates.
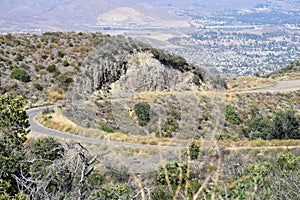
(242, 42)
(239, 53)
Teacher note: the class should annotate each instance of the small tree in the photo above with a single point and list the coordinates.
(47, 148)
(286, 125)
(260, 127)
(142, 111)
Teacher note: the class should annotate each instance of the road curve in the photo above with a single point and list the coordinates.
(37, 129)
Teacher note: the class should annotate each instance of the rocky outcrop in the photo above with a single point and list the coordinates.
(145, 73)
(120, 65)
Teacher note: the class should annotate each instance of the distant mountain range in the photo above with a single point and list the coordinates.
(51, 15)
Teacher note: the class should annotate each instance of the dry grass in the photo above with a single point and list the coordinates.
(55, 96)
(58, 121)
(248, 83)
(260, 143)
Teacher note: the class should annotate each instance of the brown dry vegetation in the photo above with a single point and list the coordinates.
(36, 54)
(248, 83)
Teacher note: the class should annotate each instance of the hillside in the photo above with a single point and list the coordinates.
(68, 67)
(181, 132)
(131, 87)
(58, 63)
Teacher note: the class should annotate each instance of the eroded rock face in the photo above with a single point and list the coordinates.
(106, 63)
(99, 73)
(145, 73)
(131, 73)
(121, 66)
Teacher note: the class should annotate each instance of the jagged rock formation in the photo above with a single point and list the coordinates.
(106, 63)
(120, 65)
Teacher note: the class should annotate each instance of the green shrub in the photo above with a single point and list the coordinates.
(51, 68)
(175, 61)
(161, 192)
(142, 111)
(231, 115)
(288, 161)
(259, 127)
(19, 57)
(99, 42)
(116, 192)
(107, 128)
(118, 175)
(44, 56)
(170, 126)
(286, 125)
(194, 150)
(60, 54)
(20, 74)
(96, 178)
(47, 111)
(65, 63)
(173, 172)
(47, 148)
(64, 80)
(87, 123)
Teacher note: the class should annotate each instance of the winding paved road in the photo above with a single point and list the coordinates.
(37, 129)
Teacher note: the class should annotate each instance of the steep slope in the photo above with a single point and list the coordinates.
(135, 67)
(50, 60)
(122, 73)
(57, 63)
